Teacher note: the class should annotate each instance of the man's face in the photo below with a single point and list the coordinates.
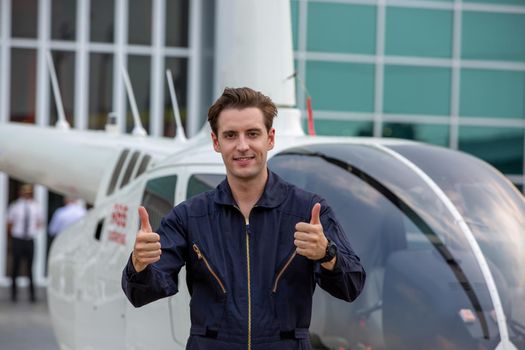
(243, 142)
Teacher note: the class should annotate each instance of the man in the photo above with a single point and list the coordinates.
(254, 247)
(72, 211)
(24, 219)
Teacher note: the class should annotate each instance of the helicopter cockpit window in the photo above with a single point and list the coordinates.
(143, 164)
(116, 171)
(423, 283)
(199, 183)
(129, 169)
(159, 197)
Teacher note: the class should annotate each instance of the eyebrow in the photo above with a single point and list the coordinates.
(236, 132)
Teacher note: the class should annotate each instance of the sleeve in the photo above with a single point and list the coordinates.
(11, 217)
(53, 225)
(160, 279)
(347, 279)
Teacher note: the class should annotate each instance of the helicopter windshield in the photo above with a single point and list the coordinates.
(495, 213)
(424, 287)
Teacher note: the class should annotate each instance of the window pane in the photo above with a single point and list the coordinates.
(199, 183)
(65, 67)
(417, 90)
(102, 17)
(501, 40)
(428, 133)
(418, 32)
(63, 19)
(179, 70)
(139, 22)
(341, 86)
(177, 15)
(294, 7)
(499, 2)
(23, 85)
(159, 197)
(501, 147)
(342, 127)
(491, 93)
(341, 28)
(139, 74)
(100, 89)
(24, 18)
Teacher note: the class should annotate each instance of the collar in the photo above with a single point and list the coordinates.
(274, 192)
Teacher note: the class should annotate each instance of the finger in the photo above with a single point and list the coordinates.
(147, 246)
(303, 244)
(304, 236)
(148, 237)
(150, 260)
(144, 220)
(306, 227)
(316, 211)
(149, 254)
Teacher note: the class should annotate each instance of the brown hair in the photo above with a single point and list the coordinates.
(240, 98)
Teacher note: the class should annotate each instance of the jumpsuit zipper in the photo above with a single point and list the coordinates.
(248, 272)
(200, 256)
(281, 272)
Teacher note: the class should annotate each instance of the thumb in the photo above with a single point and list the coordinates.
(316, 211)
(144, 220)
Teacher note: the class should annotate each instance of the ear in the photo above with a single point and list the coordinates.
(215, 140)
(271, 138)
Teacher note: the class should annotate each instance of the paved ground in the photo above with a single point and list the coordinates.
(25, 325)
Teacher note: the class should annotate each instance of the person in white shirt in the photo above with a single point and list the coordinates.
(72, 211)
(24, 220)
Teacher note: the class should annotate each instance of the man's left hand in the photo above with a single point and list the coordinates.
(309, 237)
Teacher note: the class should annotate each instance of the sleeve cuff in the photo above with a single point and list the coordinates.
(134, 276)
(336, 270)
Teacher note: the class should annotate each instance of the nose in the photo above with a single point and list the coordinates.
(242, 145)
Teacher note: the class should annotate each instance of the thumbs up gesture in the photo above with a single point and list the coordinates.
(309, 237)
(147, 244)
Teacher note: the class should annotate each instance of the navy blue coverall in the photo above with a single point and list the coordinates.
(249, 289)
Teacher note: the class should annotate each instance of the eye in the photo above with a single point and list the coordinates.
(229, 135)
(253, 134)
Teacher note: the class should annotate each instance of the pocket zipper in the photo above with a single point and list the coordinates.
(200, 256)
(281, 272)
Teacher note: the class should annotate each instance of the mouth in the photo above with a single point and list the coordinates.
(243, 158)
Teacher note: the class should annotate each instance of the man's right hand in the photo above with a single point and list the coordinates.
(147, 244)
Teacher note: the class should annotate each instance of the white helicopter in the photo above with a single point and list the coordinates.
(439, 232)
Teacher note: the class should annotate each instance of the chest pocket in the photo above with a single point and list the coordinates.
(207, 305)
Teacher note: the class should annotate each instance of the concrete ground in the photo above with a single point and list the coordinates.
(25, 325)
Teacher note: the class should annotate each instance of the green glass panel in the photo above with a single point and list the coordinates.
(491, 93)
(418, 32)
(341, 127)
(417, 90)
(341, 28)
(501, 147)
(498, 2)
(341, 86)
(428, 133)
(294, 7)
(493, 36)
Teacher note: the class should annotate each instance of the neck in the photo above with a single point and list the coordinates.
(247, 192)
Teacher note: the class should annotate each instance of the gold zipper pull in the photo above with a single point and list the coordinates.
(198, 251)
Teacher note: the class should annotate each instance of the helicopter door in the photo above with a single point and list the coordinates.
(148, 327)
(197, 180)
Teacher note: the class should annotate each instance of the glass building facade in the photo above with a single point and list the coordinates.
(445, 72)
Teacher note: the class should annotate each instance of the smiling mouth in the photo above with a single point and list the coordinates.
(245, 158)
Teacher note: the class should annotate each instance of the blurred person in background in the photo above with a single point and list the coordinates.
(24, 220)
(72, 211)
